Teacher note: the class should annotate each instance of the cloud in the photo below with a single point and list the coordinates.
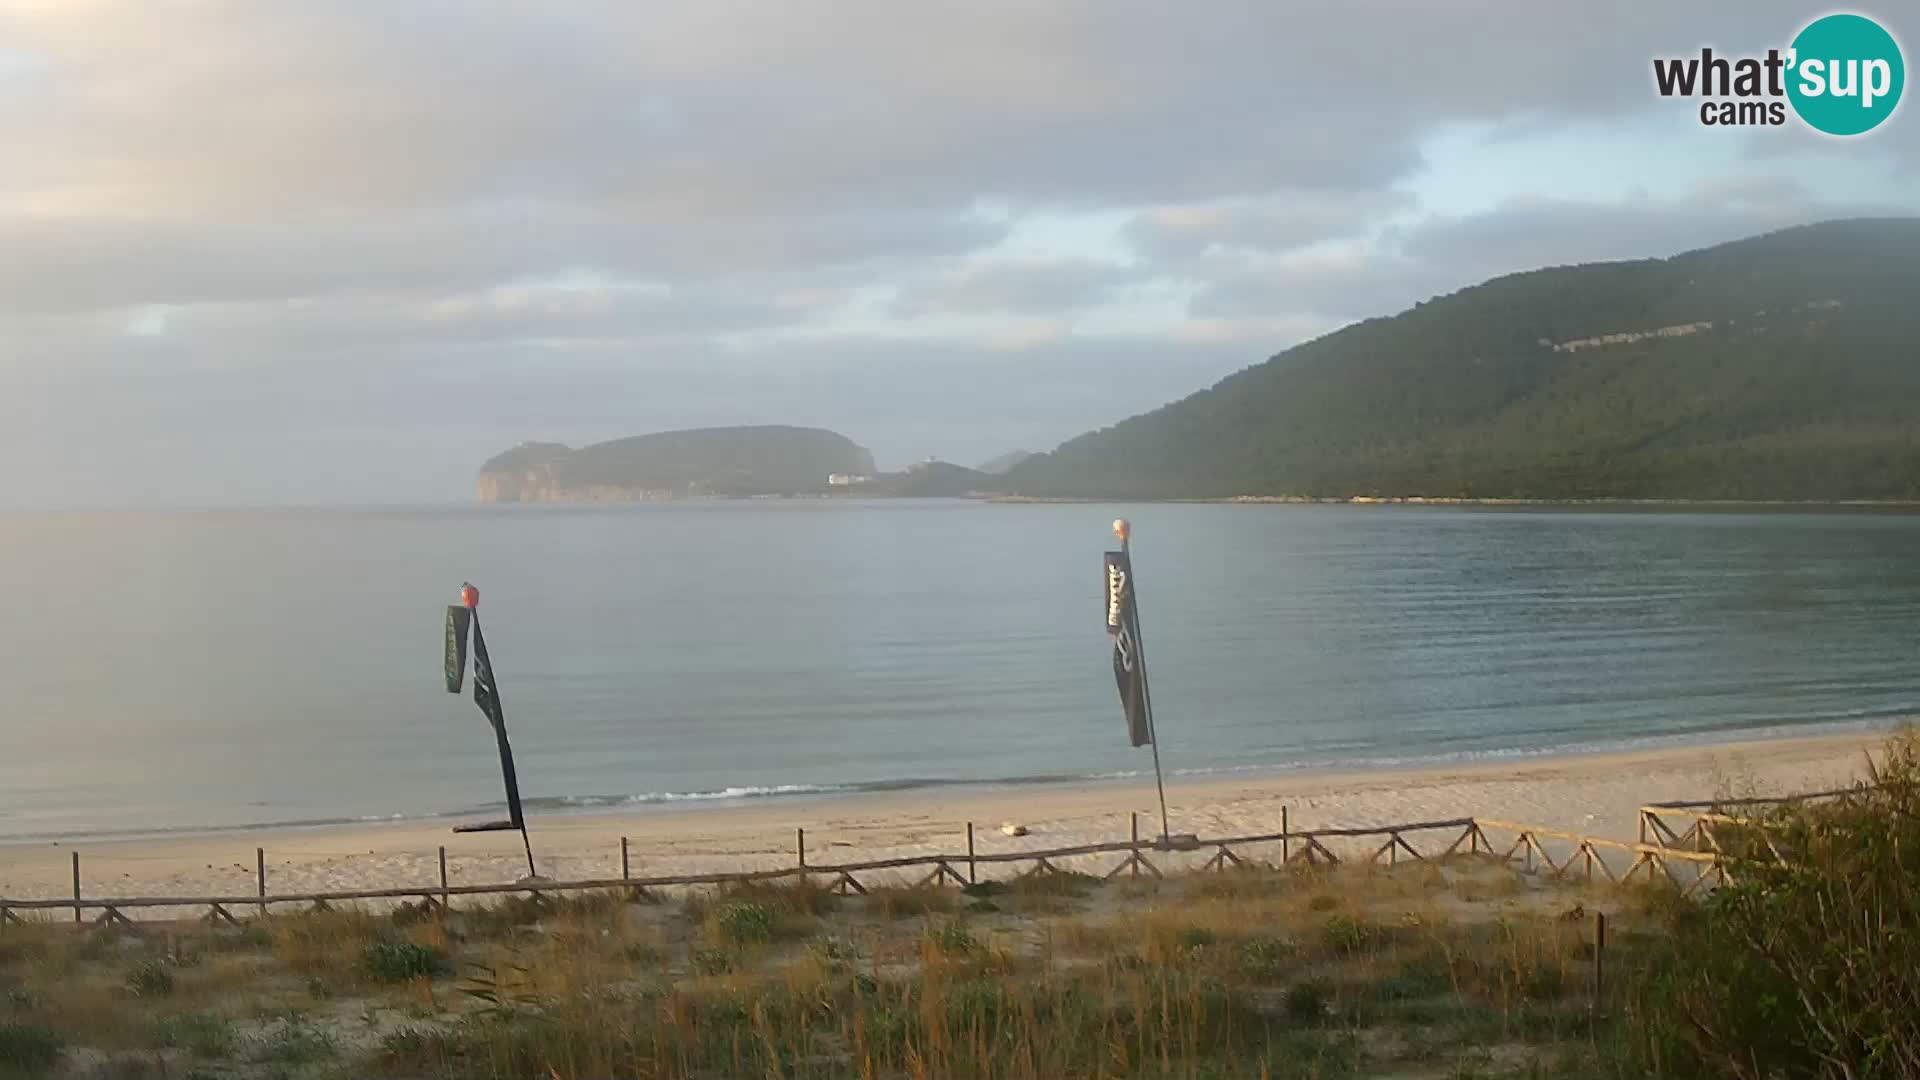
(1017, 285)
(309, 229)
(1277, 222)
(231, 109)
(1439, 254)
(1542, 231)
(60, 263)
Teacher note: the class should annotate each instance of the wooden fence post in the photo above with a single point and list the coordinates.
(1133, 826)
(1654, 857)
(1599, 958)
(1286, 839)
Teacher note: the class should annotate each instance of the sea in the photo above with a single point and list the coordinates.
(214, 670)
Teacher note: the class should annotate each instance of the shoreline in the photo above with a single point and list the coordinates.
(1622, 502)
(1005, 499)
(562, 808)
(1594, 794)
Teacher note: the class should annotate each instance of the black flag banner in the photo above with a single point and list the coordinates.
(486, 694)
(1123, 627)
(458, 619)
(463, 621)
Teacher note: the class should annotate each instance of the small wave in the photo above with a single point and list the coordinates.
(742, 792)
(1303, 760)
(575, 802)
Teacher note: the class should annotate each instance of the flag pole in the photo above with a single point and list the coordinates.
(527, 842)
(1124, 530)
(506, 752)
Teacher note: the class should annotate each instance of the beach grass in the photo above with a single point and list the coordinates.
(1463, 967)
(1249, 972)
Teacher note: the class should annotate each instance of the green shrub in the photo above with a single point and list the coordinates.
(977, 1003)
(150, 979)
(1266, 958)
(1808, 966)
(1308, 1001)
(952, 939)
(1347, 934)
(27, 1049)
(712, 961)
(1197, 937)
(743, 923)
(402, 961)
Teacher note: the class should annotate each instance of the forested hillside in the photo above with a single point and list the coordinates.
(1785, 366)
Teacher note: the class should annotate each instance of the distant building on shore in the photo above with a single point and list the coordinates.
(841, 479)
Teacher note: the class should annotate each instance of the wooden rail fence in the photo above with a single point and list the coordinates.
(1696, 850)
(1307, 847)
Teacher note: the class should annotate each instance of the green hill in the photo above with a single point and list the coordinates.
(1784, 366)
(726, 461)
(929, 480)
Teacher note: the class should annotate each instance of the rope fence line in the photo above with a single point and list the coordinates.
(1696, 849)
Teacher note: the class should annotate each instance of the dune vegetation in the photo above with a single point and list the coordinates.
(1463, 967)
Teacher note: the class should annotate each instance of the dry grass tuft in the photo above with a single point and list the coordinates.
(1247, 972)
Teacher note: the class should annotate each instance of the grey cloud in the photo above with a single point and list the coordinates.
(258, 248)
(1275, 222)
(225, 151)
(1544, 231)
(1033, 285)
(1441, 254)
(731, 108)
(55, 264)
(330, 333)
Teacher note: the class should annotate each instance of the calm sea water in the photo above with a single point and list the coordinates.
(201, 670)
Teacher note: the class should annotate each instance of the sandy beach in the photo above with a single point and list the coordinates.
(1591, 794)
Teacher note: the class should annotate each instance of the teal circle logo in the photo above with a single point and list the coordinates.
(1846, 74)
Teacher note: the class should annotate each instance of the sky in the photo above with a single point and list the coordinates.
(316, 254)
